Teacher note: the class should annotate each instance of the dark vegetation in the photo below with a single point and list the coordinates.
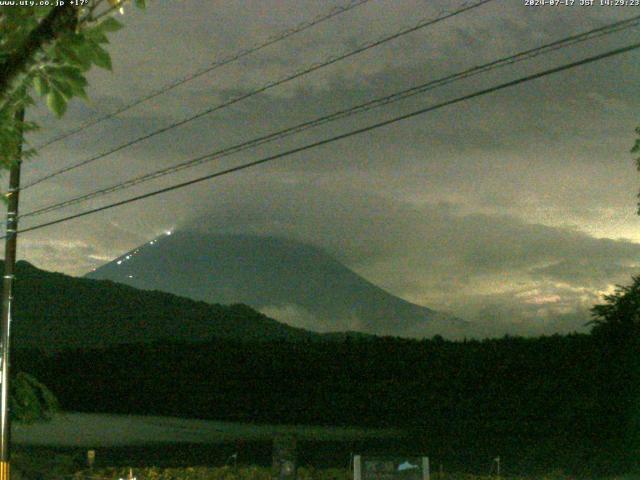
(561, 402)
(558, 402)
(54, 311)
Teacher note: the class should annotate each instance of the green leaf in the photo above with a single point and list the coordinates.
(63, 87)
(77, 55)
(141, 4)
(56, 102)
(31, 401)
(101, 57)
(69, 71)
(59, 79)
(73, 76)
(95, 35)
(78, 87)
(80, 92)
(74, 40)
(28, 101)
(41, 86)
(28, 153)
(110, 25)
(85, 53)
(29, 126)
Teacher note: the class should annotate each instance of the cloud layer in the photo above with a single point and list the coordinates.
(514, 210)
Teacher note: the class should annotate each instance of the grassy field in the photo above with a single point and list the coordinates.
(101, 430)
(189, 449)
(60, 446)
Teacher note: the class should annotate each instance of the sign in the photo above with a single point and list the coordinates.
(390, 468)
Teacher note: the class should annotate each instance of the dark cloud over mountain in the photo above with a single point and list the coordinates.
(516, 209)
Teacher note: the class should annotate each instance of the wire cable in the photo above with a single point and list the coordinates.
(215, 65)
(272, 84)
(364, 107)
(349, 134)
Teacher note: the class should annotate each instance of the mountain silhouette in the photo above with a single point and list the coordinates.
(54, 311)
(290, 281)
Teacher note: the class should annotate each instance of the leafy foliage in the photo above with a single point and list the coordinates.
(553, 402)
(47, 50)
(620, 312)
(31, 401)
(91, 313)
(188, 473)
(55, 70)
(43, 464)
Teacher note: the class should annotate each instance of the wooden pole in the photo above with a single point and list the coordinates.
(10, 248)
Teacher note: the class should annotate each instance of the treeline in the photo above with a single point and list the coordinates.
(569, 402)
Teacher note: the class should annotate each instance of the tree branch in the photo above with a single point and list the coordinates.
(60, 20)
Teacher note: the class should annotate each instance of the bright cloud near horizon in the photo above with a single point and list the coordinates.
(516, 210)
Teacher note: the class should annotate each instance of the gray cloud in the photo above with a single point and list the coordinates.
(492, 269)
(491, 208)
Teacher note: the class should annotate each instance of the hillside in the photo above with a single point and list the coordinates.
(293, 282)
(52, 310)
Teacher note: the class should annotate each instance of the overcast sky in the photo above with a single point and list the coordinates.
(516, 209)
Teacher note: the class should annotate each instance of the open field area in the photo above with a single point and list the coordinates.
(169, 442)
(92, 430)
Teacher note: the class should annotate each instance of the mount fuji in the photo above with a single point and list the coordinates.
(287, 280)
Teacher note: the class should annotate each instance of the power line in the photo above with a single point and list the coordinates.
(352, 133)
(331, 60)
(215, 65)
(378, 102)
(272, 84)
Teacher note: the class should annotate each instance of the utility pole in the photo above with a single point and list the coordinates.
(11, 241)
